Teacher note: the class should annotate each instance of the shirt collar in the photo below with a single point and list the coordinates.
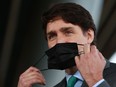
(77, 74)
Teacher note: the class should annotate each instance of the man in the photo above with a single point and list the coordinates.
(66, 24)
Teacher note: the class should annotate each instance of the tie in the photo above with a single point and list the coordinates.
(71, 82)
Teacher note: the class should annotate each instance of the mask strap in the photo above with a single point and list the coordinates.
(81, 44)
(35, 64)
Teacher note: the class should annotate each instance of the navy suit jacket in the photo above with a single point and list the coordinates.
(109, 75)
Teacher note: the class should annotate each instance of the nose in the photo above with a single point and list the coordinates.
(61, 39)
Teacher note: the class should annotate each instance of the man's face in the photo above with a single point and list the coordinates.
(60, 32)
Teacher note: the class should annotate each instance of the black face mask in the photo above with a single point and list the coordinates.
(61, 56)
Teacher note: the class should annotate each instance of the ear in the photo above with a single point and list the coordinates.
(90, 36)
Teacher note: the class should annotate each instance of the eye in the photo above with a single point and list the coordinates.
(68, 32)
(51, 36)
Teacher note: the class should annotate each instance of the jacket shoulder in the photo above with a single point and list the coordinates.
(110, 75)
(111, 69)
(61, 83)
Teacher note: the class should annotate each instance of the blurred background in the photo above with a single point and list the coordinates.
(22, 42)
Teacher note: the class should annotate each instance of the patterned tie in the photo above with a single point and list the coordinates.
(72, 81)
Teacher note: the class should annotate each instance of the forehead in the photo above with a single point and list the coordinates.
(57, 24)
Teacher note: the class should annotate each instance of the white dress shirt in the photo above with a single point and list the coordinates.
(80, 81)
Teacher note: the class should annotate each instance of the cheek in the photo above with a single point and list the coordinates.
(51, 44)
(79, 40)
(82, 39)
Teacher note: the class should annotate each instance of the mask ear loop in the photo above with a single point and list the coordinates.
(35, 64)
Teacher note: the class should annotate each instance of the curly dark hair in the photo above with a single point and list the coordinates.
(70, 13)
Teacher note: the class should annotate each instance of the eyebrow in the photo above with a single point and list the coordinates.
(61, 29)
(50, 33)
(65, 29)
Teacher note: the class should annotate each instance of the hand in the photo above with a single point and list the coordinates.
(91, 65)
(30, 77)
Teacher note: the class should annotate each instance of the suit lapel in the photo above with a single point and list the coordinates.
(106, 70)
(62, 83)
(84, 84)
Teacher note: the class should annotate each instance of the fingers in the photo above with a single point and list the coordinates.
(88, 53)
(84, 49)
(101, 56)
(93, 49)
(30, 77)
(91, 65)
(31, 69)
(32, 73)
(33, 77)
